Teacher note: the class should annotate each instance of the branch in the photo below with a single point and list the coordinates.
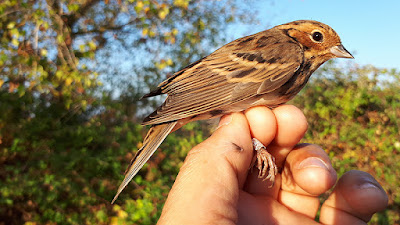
(65, 52)
(10, 12)
(82, 11)
(101, 30)
(73, 18)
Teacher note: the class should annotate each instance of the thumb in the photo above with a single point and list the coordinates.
(225, 156)
(211, 173)
(231, 145)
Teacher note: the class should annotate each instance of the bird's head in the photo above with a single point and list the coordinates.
(320, 42)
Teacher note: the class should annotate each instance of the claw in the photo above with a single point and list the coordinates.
(265, 162)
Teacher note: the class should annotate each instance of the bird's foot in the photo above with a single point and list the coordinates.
(265, 162)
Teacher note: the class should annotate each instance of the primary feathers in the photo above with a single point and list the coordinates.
(267, 68)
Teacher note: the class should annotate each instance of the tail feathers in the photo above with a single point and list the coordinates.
(153, 139)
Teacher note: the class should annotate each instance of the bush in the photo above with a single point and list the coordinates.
(353, 114)
(65, 168)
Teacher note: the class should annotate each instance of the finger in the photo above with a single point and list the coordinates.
(356, 197)
(211, 173)
(308, 171)
(292, 125)
(307, 174)
(233, 136)
(256, 186)
(262, 123)
(265, 210)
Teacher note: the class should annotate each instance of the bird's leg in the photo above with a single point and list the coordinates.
(265, 161)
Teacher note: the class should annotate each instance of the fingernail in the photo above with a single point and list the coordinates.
(368, 183)
(313, 162)
(225, 120)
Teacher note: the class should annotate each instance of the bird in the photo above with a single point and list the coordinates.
(264, 69)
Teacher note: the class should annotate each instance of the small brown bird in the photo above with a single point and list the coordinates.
(267, 68)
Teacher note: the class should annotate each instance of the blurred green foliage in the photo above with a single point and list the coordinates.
(353, 114)
(65, 139)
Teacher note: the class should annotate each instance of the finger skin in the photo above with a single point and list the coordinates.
(254, 209)
(308, 171)
(356, 197)
(307, 174)
(262, 123)
(212, 172)
(303, 179)
(291, 126)
(215, 170)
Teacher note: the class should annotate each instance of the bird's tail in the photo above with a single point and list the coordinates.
(153, 139)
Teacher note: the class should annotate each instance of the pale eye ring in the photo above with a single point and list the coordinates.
(317, 36)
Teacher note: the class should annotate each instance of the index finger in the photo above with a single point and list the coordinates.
(279, 134)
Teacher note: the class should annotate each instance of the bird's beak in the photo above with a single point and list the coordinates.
(340, 52)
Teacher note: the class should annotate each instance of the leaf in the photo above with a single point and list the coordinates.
(12, 86)
(43, 52)
(60, 39)
(15, 42)
(68, 81)
(11, 25)
(181, 3)
(73, 7)
(92, 45)
(163, 12)
(139, 6)
(145, 32)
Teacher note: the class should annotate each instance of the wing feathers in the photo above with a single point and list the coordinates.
(153, 139)
(228, 76)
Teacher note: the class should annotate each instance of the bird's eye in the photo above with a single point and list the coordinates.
(317, 36)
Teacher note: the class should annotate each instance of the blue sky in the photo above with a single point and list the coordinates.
(370, 30)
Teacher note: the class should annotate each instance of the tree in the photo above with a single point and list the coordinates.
(65, 137)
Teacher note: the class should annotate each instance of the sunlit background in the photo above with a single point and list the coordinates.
(72, 74)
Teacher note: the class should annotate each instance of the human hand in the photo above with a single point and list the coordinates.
(215, 185)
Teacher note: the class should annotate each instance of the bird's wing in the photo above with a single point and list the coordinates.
(242, 69)
(153, 139)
